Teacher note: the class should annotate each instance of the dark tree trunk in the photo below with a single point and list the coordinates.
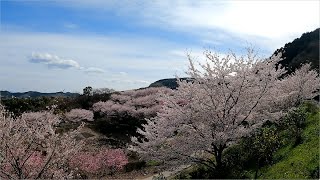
(257, 169)
(218, 150)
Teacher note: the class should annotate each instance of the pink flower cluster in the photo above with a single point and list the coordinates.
(98, 163)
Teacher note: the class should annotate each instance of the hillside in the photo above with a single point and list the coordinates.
(300, 161)
(169, 83)
(301, 50)
(33, 94)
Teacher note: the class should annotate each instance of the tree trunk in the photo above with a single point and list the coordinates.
(257, 169)
(218, 150)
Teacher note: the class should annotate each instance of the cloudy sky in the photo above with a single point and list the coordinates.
(66, 45)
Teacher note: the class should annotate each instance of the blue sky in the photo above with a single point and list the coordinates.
(70, 44)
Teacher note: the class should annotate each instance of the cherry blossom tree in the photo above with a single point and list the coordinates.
(77, 115)
(97, 163)
(300, 85)
(229, 98)
(140, 103)
(31, 149)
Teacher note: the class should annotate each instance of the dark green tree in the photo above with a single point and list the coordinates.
(88, 91)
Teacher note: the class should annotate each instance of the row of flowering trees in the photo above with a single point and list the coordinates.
(30, 148)
(140, 104)
(229, 98)
(125, 112)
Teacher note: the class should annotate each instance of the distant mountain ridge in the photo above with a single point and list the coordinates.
(34, 94)
(169, 83)
(300, 51)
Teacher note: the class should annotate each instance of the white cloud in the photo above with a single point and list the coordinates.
(257, 18)
(271, 19)
(53, 61)
(94, 70)
(269, 24)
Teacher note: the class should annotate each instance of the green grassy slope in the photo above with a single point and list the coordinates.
(301, 161)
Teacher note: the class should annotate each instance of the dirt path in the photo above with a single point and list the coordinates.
(168, 174)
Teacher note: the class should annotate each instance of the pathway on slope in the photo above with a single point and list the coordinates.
(167, 174)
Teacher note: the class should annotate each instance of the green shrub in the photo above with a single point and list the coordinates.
(302, 160)
(153, 163)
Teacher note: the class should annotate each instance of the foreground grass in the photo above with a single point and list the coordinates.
(301, 161)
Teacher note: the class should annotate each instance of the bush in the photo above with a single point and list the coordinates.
(135, 165)
(153, 163)
(99, 163)
(302, 160)
(294, 123)
(121, 127)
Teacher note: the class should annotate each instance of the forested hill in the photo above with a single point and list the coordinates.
(300, 51)
(169, 83)
(32, 94)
